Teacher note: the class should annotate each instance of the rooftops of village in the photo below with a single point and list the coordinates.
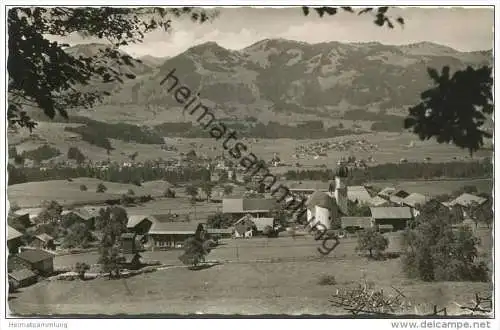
(466, 200)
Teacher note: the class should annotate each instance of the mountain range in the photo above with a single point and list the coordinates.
(284, 76)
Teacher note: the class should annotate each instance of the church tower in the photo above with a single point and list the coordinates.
(340, 188)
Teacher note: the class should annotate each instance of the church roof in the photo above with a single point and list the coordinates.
(321, 199)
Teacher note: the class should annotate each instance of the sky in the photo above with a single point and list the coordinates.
(464, 29)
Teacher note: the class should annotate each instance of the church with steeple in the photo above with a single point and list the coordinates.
(326, 207)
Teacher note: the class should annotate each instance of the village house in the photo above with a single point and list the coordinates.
(83, 215)
(29, 214)
(414, 200)
(386, 192)
(378, 201)
(398, 197)
(22, 277)
(39, 261)
(464, 202)
(398, 217)
(14, 240)
(43, 241)
(257, 207)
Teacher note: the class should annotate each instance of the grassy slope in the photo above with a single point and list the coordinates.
(243, 286)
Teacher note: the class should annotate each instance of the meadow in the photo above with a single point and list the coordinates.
(267, 278)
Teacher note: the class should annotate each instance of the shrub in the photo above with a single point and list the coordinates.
(327, 280)
(101, 188)
(83, 187)
(130, 192)
(169, 193)
(372, 241)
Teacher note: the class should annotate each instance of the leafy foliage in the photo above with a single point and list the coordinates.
(219, 220)
(207, 188)
(43, 75)
(101, 188)
(169, 193)
(435, 252)
(196, 248)
(372, 241)
(78, 235)
(380, 14)
(228, 190)
(41, 153)
(192, 191)
(83, 187)
(454, 110)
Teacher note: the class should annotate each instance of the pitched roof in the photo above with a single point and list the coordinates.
(22, 274)
(321, 199)
(415, 198)
(174, 227)
(12, 233)
(44, 237)
(467, 199)
(377, 201)
(363, 222)
(36, 255)
(391, 212)
(134, 220)
(33, 212)
(358, 193)
(387, 191)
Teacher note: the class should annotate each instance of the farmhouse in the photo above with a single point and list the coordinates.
(43, 241)
(14, 240)
(398, 217)
(85, 215)
(378, 201)
(22, 277)
(398, 197)
(21, 222)
(140, 224)
(29, 215)
(415, 199)
(386, 192)
(170, 234)
(257, 207)
(466, 200)
(39, 261)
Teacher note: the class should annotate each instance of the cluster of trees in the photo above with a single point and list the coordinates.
(434, 251)
(41, 153)
(112, 221)
(410, 171)
(112, 174)
(313, 129)
(98, 133)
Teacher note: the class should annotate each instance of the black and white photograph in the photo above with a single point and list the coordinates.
(250, 161)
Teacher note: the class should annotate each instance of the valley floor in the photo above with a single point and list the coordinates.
(257, 276)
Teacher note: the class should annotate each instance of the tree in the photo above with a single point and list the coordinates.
(433, 251)
(454, 109)
(130, 192)
(482, 213)
(127, 199)
(196, 248)
(228, 190)
(83, 187)
(76, 154)
(81, 268)
(219, 220)
(372, 241)
(51, 212)
(78, 235)
(192, 191)
(101, 188)
(207, 188)
(44, 76)
(111, 261)
(169, 193)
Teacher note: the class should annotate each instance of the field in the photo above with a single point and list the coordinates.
(257, 276)
(391, 147)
